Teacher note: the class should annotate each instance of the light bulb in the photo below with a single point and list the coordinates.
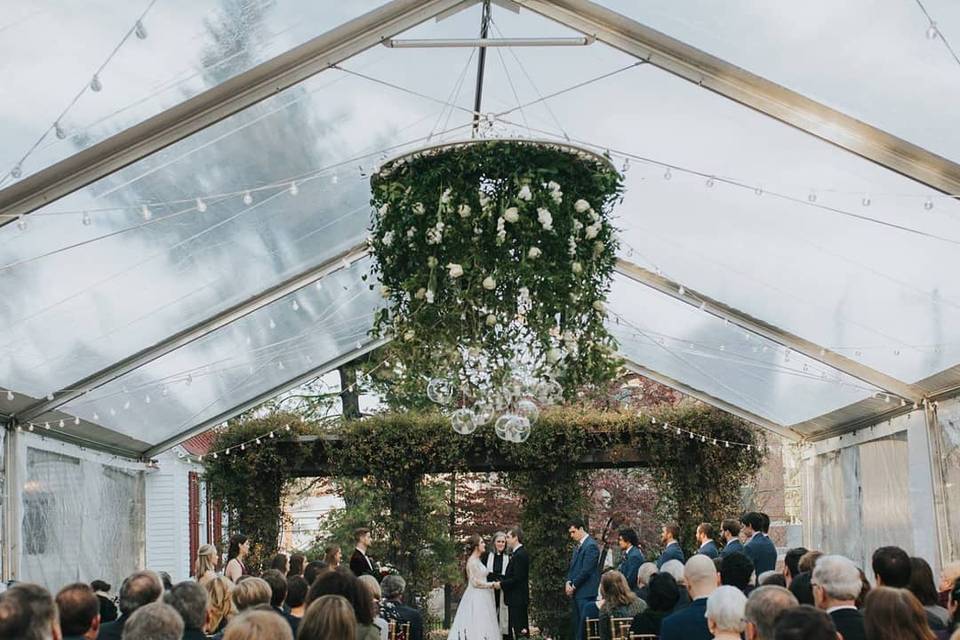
(16, 172)
(140, 30)
(758, 191)
(189, 379)
(271, 434)
(273, 325)
(280, 365)
(21, 223)
(10, 395)
(335, 179)
(294, 189)
(201, 205)
(247, 198)
(86, 219)
(50, 396)
(626, 165)
(667, 175)
(58, 131)
(96, 416)
(359, 345)
(164, 391)
(258, 440)
(812, 197)
(710, 182)
(681, 290)
(243, 447)
(95, 83)
(295, 306)
(932, 31)
(866, 200)
(928, 204)
(287, 427)
(60, 424)
(147, 399)
(76, 420)
(145, 212)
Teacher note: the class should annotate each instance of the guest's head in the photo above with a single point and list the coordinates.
(239, 546)
(281, 562)
(296, 592)
(949, 575)
(615, 590)
(802, 589)
(372, 587)
(392, 587)
(895, 614)
(736, 570)
(864, 589)
(28, 611)
(771, 578)
(79, 610)
(191, 602)
(669, 533)
(139, 589)
(664, 592)
(154, 621)
(340, 582)
(258, 624)
(646, 571)
(921, 582)
(892, 567)
(805, 623)
(764, 606)
(730, 529)
(206, 560)
(165, 580)
(250, 593)
(752, 523)
(297, 561)
(577, 528)
(676, 569)
(701, 576)
(332, 556)
(725, 611)
(791, 562)
(835, 582)
(498, 544)
(627, 538)
(314, 568)
(362, 537)
(808, 561)
(278, 587)
(219, 602)
(100, 585)
(765, 522)
(327, 617)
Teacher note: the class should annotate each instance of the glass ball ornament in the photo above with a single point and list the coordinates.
(549, 391)
(463, 421)
(527, 409)
(517, 429)
(501, 426)
(440, 391)
(483, 412)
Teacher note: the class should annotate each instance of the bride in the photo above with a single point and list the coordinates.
(476, 617)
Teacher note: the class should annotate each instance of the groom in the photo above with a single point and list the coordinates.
(516, 584)
(583, 578)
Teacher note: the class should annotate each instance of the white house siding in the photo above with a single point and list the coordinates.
(168, 534)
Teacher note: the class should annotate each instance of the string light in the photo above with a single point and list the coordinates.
(10, 395)
(16, 171)
(21, 223)
(95, 84)
(932, 31)
(86, 219)
(247, 198)
(146, 213)
(140, 30)
(58, 130)
(294, 189)
(710, 182)
(812, 196)
(667, 175)
(201, 205)
(928, 204)
(866, 200)
(295, 305)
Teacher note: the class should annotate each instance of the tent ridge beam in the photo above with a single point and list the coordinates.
(217, 103)
(188, 335)
(753, 91)
(784, 338)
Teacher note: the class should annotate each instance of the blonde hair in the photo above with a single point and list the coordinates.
(328, 616)
(251, 592)
(206, 560)
(220, 604)
(255, 625)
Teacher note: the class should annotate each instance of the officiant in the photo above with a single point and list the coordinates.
(497, 561)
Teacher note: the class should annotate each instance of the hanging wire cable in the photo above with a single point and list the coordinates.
(934, 32)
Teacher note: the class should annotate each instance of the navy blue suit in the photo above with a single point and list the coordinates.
(762, 551)
(672, 552)
(709, 549)
(734, 546)
(584, 575)
(630, 566)
(689, 623)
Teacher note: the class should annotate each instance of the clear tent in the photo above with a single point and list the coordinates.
(788, 252)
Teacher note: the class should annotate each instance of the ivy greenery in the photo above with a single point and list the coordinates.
(699, 481)
(495, 252)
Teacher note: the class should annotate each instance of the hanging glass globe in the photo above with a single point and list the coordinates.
(519, 429)
(549, 391)
(527, 409)
(501, 426)
(483, 412)
(463, 421)
(440, 391)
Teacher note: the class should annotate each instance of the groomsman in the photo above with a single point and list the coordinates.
(759, 547)
(516, 585)
(583, 577)
(360, 563)
(705, 539)
(730, 532)
(631, 558)
(671, 546)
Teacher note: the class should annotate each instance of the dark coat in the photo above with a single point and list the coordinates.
(113, 630)
(763, 552)
(360, 567)
(734, 546)
(108, 610)
(516, 581)
(393, 610)
(709, 549)
(584, 573)
(849, 622)
(689, 623)
(630, 566)
(672, 552)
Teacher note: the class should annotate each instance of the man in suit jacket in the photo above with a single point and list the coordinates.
(516, 585)
(139, 589)
(690, 623)
(836, 585)
(705, 539)
(759, 547)
(671, 546)
(360, 563)
(632, 557)
(392, 607)
(79, 610)
(730, 532)
(583, 577)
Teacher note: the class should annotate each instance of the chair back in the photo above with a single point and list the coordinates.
(593, 628)
(642, 636)
(620, 628)
(398, 630)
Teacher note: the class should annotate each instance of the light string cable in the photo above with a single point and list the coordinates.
(93, 85)
(452, 99)
(934, 32)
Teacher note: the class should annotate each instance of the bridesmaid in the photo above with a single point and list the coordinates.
(239, 549)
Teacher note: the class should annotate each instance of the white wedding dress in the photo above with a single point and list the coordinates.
(476, 617)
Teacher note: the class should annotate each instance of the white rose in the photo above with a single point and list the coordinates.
(418, 208)
(545, 219)
(412, 231)
(385, 291)
(408, 336)
(384, 208)
(525, 193)
(592, 231)
(598, 305)
(388, 238)
(431, 262)
(420, 294)
(557, 196)
(581, 205)
(553, 186)
(489, 283)
(594, 216)
(576, 267)
(553, 356)
(524, 293)
(455, 270)
(501, 237)
(534, 252)
(577, 225)
(429, 296)
(445, 197)
(464, 211)
(491, 320)
(511, 214)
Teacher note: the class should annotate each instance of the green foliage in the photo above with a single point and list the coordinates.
(483, 247)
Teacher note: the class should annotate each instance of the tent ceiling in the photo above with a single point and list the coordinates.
(151, 324)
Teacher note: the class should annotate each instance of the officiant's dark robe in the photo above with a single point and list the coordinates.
(498, 563)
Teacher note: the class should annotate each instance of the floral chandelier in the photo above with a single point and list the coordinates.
(495, 259)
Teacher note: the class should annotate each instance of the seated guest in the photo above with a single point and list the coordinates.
(800, 586)
(705, 539)
(808, 561)
(219, 604)
(297, 561)
(281, 562)
(690, 623)
(953, 608)
(313, 569)
(296, 595)
(646, 571)
(79, 611)
(618, 602)
(108, 610)
(948, 576)
(922, 586)
(153, 621)
(333, 556)
(373, 590)
(190, 601)
(392, 607)
(836, 585)
(791, 562)
(891, 566)
(249, 593)
(725, 608)
(259, 624)
(675, 568)
(772, 579)
(805, 623)
(28, 611)
(662, 598)
(736, 571)
(864, 589)
(759, 548)
(895, 614)
(671, 546)
(139, 589)
(328, 617)
(342, 582)
(730, 533)
(278, 593)
(764, 606)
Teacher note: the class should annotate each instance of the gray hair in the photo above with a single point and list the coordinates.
(838, 576)
(393, 586)
(27, 612)
(765, 605)
(647, 571)
(138, 589)
(190, 600)
(725, 608)
(154, 621)
(674, 568)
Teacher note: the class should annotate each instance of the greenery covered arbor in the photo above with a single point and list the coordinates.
(697, 480)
